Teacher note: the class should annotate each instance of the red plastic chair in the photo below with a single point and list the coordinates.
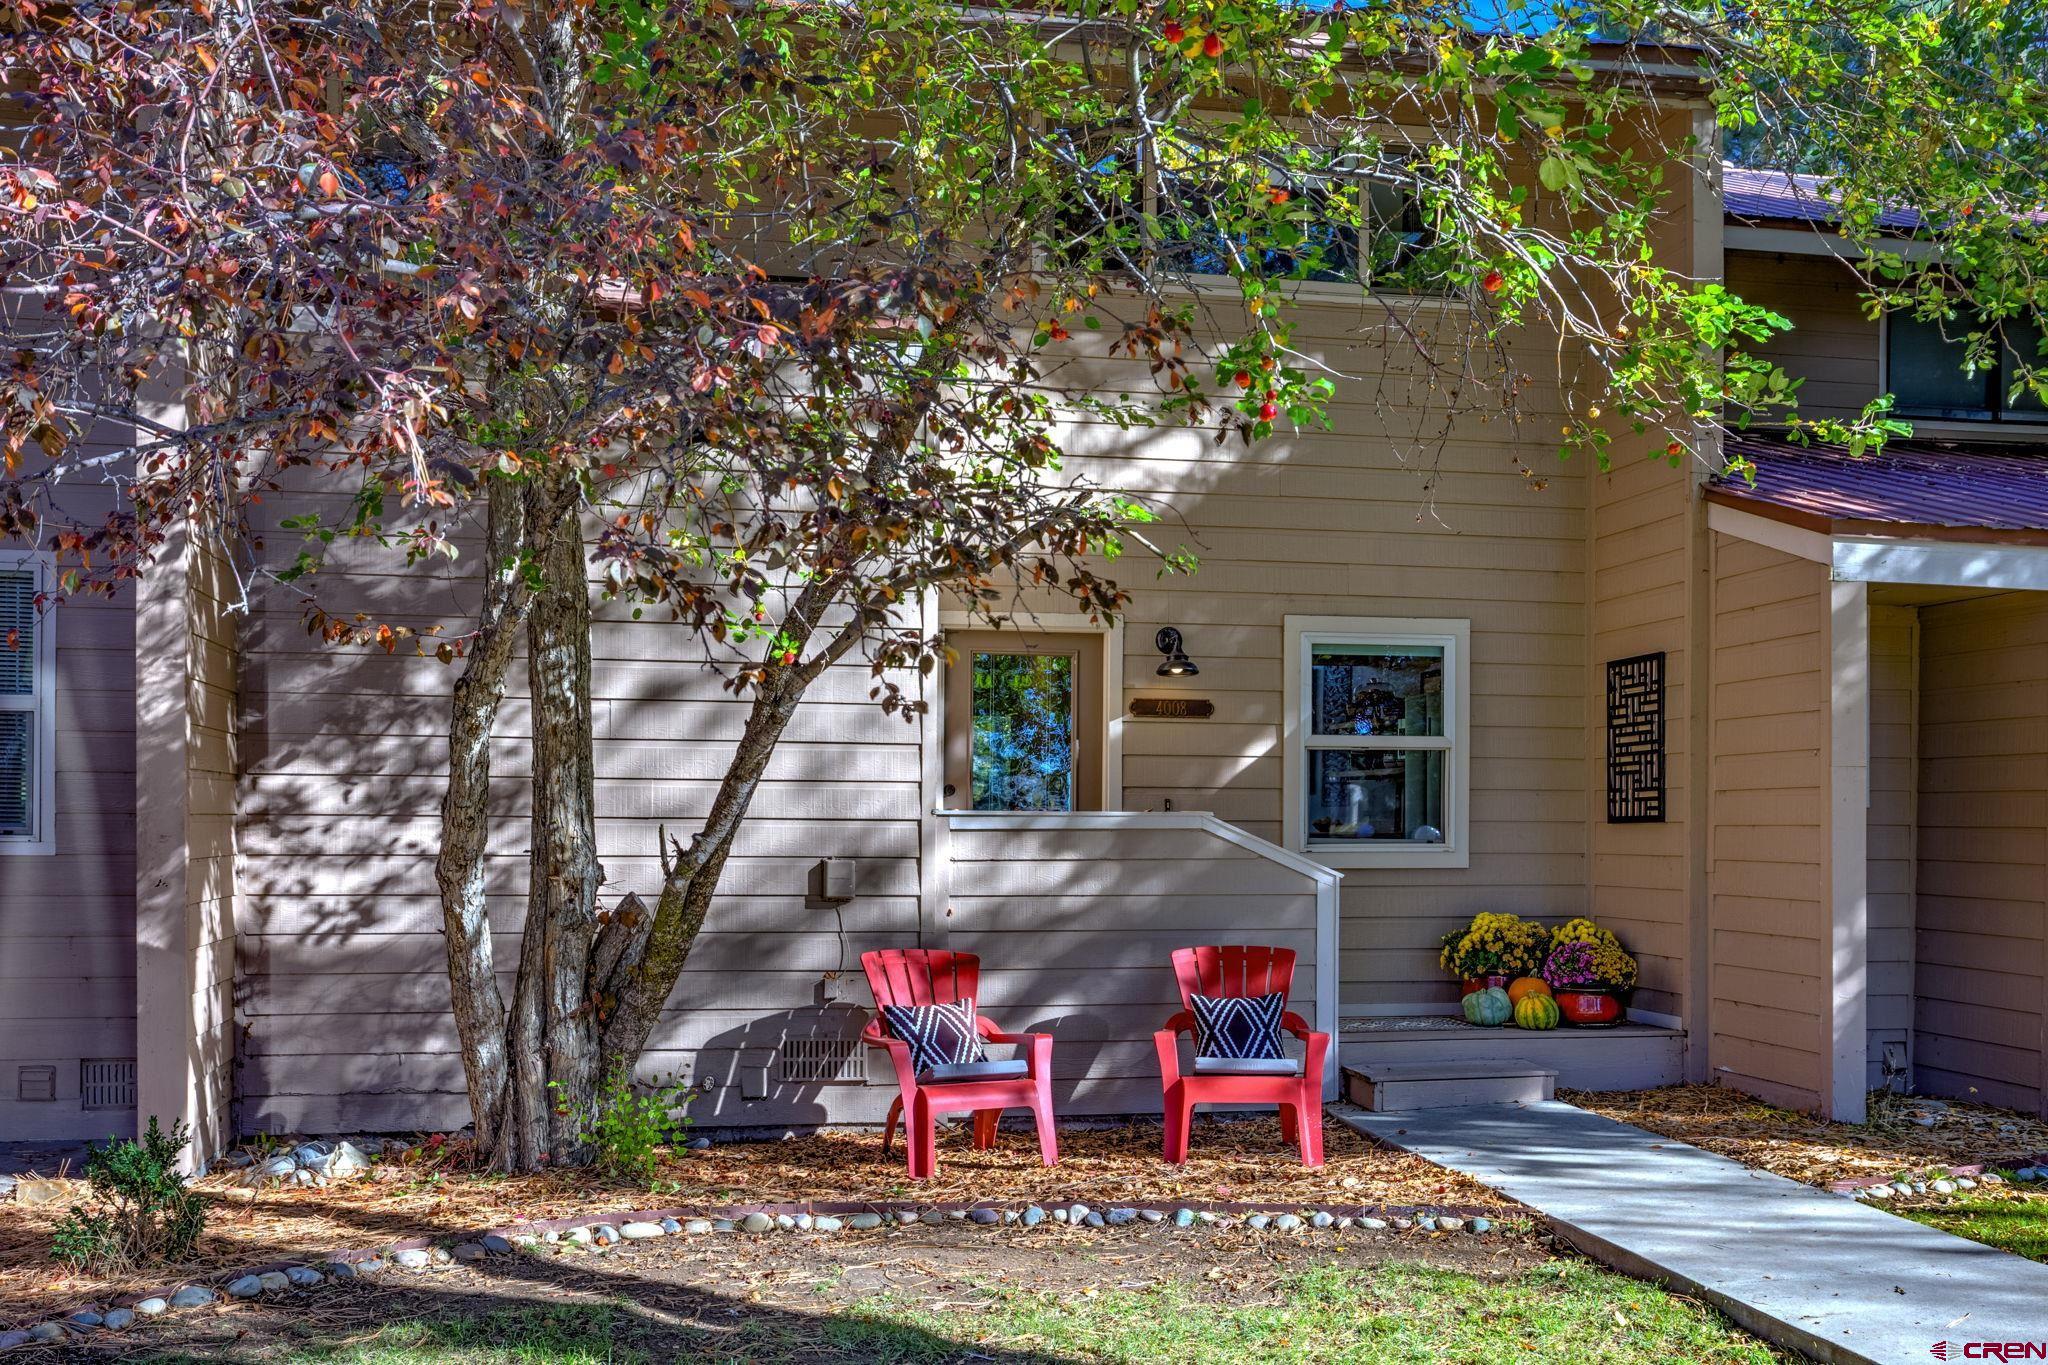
(1240, 971)
(921, 976)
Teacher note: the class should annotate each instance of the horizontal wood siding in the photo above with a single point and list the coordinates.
(343, 987)
(1894, 684)
(67, 919)
(1980, 988)
(1768, 870)
(1832, 346)
(1641, 875)
(1376, 519)
(343, 753)
(1085, 926)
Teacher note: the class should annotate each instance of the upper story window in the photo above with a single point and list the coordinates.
(1930, 372)
(1334, 229)
(1341, 228)
(27, 706)
(1376, 758)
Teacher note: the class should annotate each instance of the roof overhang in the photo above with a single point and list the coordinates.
(1940, 557)
(1810, 240)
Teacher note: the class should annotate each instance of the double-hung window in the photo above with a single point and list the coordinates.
(27, 706)
(1376, 758)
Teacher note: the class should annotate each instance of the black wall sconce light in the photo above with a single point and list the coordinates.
(1177, 663)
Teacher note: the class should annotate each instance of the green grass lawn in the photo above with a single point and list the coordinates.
(2011, 1222)
(1565, 1311)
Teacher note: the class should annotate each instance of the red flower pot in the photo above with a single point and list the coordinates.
(1480, 983)
(1589, 1009)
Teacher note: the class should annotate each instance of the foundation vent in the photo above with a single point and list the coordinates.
(35, 1084)
(823, 1061)
(106, 1083)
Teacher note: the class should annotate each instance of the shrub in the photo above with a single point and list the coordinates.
(141, 1209)
(626, 1127)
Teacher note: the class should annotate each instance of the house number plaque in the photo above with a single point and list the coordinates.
(1172, 708)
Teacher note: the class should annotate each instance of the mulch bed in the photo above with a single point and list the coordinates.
(1233, 1161)
(1905, 1135)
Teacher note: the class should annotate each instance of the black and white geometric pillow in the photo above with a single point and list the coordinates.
(939, 1035)
(1239, 1026)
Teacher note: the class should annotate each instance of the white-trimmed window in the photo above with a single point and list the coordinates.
(28, 703)
(1377, 758)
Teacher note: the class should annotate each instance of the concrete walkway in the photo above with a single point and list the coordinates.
(1815, 1272)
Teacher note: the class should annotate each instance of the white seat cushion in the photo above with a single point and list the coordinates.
(976, 1071)
(1247, 1066)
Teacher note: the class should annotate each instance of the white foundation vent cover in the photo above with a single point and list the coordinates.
(106, 1083)
(823, 1061)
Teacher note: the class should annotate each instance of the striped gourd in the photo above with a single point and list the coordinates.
(1536, 1011)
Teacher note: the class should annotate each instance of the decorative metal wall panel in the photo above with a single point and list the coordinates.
(1635, 740)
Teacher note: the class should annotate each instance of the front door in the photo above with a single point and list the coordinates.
(1024, 723)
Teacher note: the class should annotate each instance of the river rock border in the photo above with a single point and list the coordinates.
(1941, 1180)
(421, 1255)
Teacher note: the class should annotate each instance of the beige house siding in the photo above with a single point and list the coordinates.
(344, 993)
(1833, 346)
(1980, 987)
(343, 755)
(1644, 524)
(67, 918)
(1374, 519)
(1894, 785)
(1648, 594)
(1769, 871)
(1076, 930)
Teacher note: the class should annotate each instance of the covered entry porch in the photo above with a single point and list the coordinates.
(1878, 875)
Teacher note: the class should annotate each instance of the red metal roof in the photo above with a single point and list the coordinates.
(1955, 490)
(1748, 193)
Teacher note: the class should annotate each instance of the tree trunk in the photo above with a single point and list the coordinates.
(510, 1055)
(691, 879)
(651, 957)
(560, 1079)
(465, 820)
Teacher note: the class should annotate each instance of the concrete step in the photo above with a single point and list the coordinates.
(1386, 1087)
(1630, 1057)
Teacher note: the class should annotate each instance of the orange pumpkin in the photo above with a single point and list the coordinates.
(1522, 987)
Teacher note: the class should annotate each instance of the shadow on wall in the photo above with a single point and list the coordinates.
(777, 1067)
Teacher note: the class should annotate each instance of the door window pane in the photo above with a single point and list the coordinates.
(1376, 795)
(1377, 689)
(1023, 757)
